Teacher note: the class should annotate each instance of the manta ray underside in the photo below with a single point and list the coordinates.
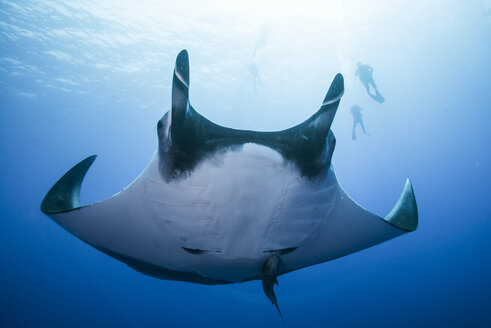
(217, 205)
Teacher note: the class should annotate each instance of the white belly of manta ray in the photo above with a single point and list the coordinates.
(217, 205)
(225, 228)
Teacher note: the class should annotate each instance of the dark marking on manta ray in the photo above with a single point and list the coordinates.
(186, 138)
(158, 271)
(198, 251)
(283, 251)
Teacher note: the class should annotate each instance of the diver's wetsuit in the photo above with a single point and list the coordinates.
(364, 72)
(255, 75)
(356, 112)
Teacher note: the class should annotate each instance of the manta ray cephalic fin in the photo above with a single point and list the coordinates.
(309, 145)
(180, 93)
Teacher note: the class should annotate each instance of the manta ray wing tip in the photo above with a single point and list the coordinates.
(404, 215)
(65, 194)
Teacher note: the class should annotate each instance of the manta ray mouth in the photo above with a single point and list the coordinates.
(186, 137)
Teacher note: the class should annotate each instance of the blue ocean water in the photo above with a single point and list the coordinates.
(94, 77)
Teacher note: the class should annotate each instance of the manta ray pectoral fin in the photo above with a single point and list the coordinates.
(404, 215)
(64, 196)
(269, 274)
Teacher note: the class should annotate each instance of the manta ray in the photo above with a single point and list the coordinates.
(216, 205)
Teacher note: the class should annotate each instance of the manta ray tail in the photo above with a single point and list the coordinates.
(269, 273)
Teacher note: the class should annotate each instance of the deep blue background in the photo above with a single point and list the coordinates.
(94, 77)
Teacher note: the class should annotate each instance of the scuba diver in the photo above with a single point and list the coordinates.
(256, 79)
(255, 75)
(364, 73)
(356, 112)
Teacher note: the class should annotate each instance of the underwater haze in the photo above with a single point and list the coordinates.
(94, 77)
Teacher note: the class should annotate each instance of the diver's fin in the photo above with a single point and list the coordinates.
(65, 194)
(269, 273)
(377, 96)
(404, 215)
